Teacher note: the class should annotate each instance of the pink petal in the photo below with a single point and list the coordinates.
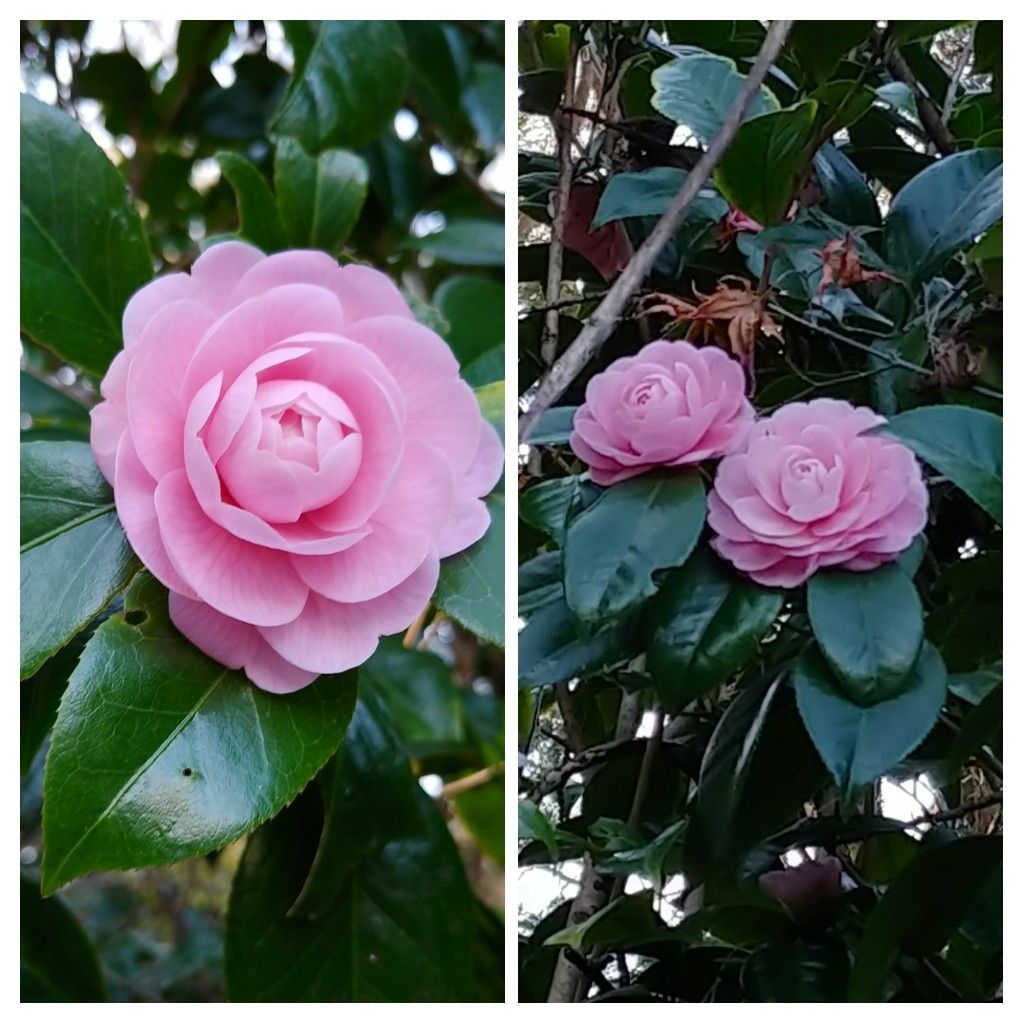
(253, 584)
(366, 293)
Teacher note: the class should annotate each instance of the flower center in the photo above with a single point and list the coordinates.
(651, 391)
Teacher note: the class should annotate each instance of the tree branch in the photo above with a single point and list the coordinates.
(600, 325)
(929, 113)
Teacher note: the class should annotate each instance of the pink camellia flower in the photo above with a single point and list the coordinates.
(807, 889)
(671, 404)
(291, 455)
(812, 490)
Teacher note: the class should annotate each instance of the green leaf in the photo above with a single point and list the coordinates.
(707, 622)
(942, 210)
(758, 769)
(471, 305)
(804, 971)
(482, 810)
(551, 651)
(40, 697)
(963, 444)
(347, 89)
(402, 927)
(259, 220)
(435, 76)
(74, 554)
(81, 240)
(858, 744)
(649, 193)
(160, 754)
(54, 416)
(370, 799)
(870, 626)
(613, 548)
(469, 241)
(58, 963)
(848, 197)
(554, 425)
(471, 587)
(983, 726)
(535, 824)
(778, 145)
(492, 404)
(540, 582)
(820, 45)
(545, 505)
(319, 200)
(698, 90)
(922, 908)
(624, 923)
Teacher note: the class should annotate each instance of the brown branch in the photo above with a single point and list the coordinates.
(563, 130)
(601, 324)
(478, 778)
(929, 113)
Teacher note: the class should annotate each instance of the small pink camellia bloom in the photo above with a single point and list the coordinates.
(812, 490)
(807, 889)
(291, 454)
(671, 404)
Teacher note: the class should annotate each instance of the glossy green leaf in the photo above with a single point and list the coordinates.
(492, 404)
(259, 220)
(921, 909)
(859, 744)
(370, 799)
(982, 727)
(758, 769)
(472, 306)
(347, 89)
(626, 922)
(707, 623)
(943, 210)
(81, 240)
(468, 241)
(401, 929)
(554, 425)
(613, 548)
(74, 554)
(435, 55)
(53, 415)
(545, 505)
(58, 963)
(535, 824)
(552, 651)
(319, 200)
(963, 444)
(40, 697)
(820, 45)
(848, 197)
(804, 971)
(471, 587)
(540, 582)
(778, 145)
(699, 89)
(870, 626)
(649, 193)
(159, 753)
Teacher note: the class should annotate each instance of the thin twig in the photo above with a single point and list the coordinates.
(929, 113)
(480, 778)
(606, 316)
(958, 72)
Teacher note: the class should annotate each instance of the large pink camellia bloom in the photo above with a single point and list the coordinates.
(671, 404)
(291, 455)
(812, 490)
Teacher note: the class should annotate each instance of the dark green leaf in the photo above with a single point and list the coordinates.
(58, 963)
(471, 242)
(777, 145)
(982, 727)
(921, 908)
(81, 240)
(482, 811)
(943, 210)
(848, 197)
(74, 554)
(554, 425)
(40, 696)
(805, 971)
(963, 444)
(347, 89)
(546, 504)
(471, 305)
(402, 928)
(472, 583)
(534, 824)
(613, 548)
(259, 220)
(698, 91)
(319, 200)
(859, 744)
(540, 582)
(160, 753)
(51, 411)
(434, 50)
(820, 45)
(649, 193)
(707, 624)
(626, 922)
(870, 626)
(484, 100)
(370, 799)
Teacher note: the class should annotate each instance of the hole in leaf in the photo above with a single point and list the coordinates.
(136, 617)
(186, 772)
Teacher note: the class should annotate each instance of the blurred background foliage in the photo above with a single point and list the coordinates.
(175, 106)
